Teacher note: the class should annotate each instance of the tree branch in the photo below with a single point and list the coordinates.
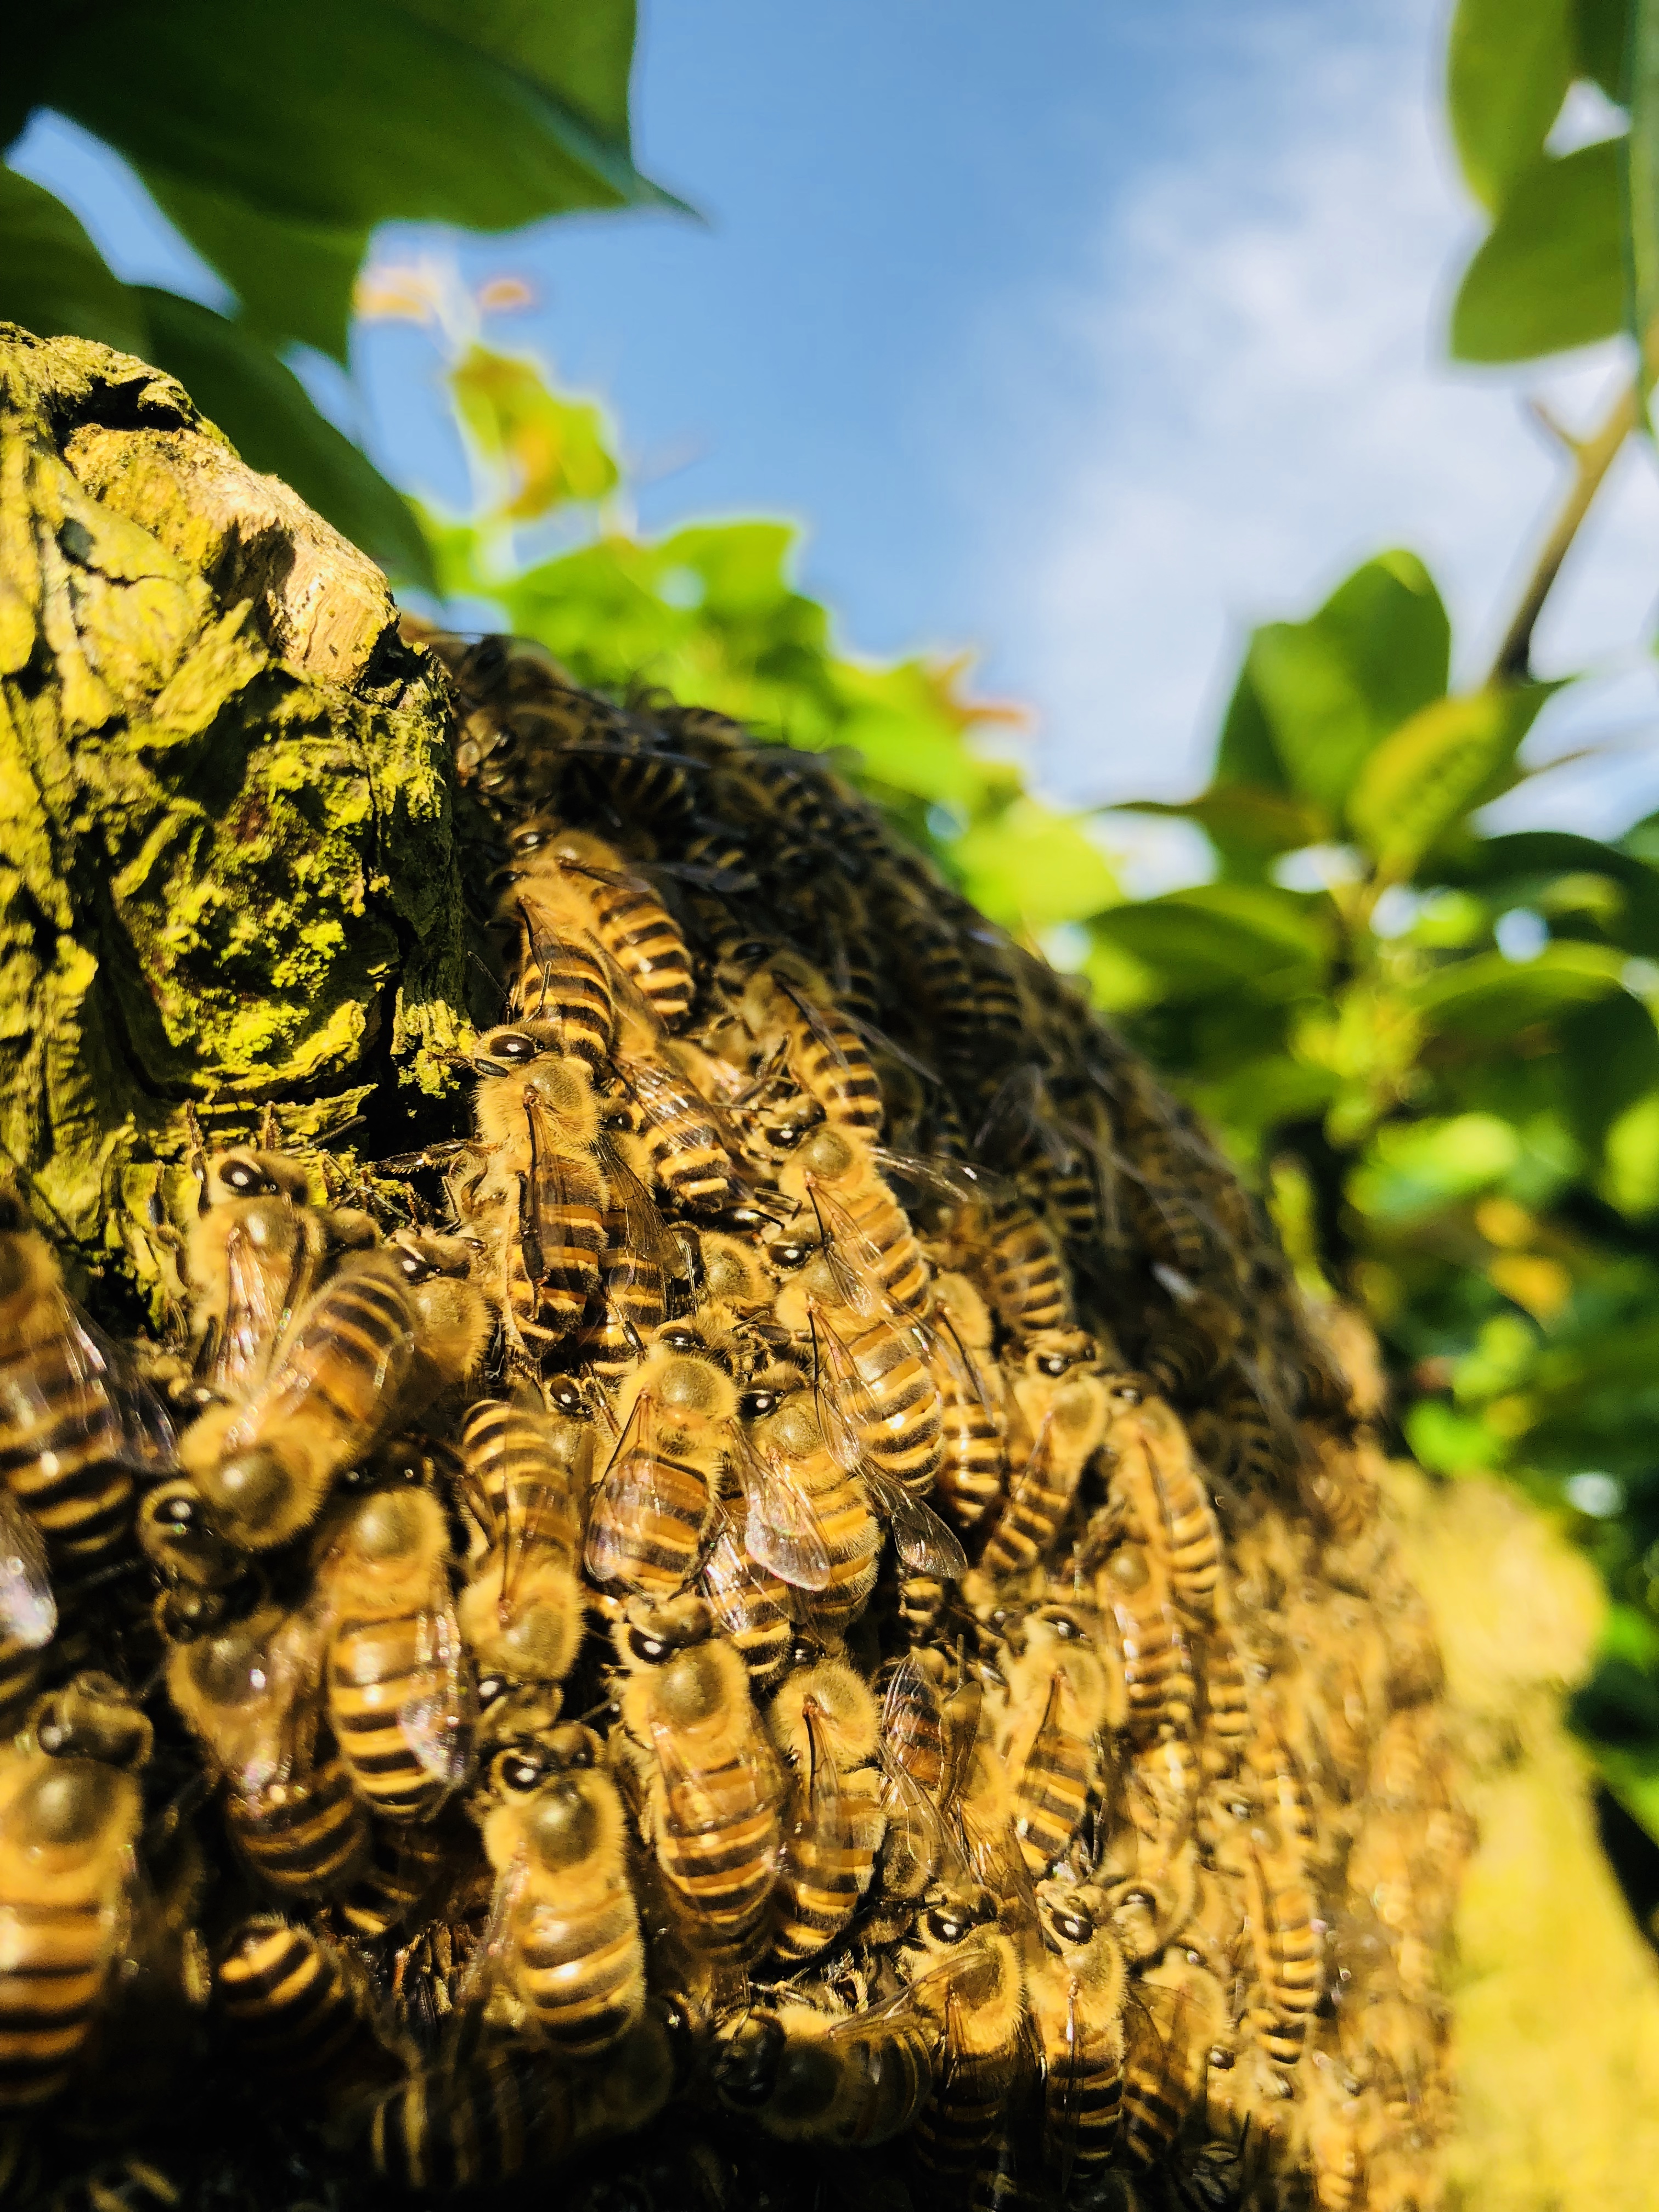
(1592, 456)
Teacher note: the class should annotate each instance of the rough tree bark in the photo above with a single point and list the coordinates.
(228, 843)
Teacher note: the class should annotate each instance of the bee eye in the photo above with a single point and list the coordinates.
(512, 1045)
(751, 949)
(1220, 2058)
(791, 1255)
(679, 1337)
(492, 1686)
(488, 658)
(1075, 1927)
(784, 1137)
(1126, 1394)
(650, 1650)
(1053, 1365)
(414, 1266)
(755, 1405)
(566, 1394)
(518, 1772)
(247, 1180)
(945, 1927)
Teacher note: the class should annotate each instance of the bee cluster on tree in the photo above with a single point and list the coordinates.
(809, 1612)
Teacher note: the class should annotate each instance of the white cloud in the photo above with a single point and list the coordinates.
(1249, 396)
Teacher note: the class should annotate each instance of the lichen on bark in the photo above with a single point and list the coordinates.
(228, 859)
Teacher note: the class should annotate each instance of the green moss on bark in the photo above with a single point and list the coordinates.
(228, 869)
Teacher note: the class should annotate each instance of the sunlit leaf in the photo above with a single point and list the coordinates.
(1248, 826)
(548, 449)
(1222, 935)
(52, 279)
(1602, 41)
(1034, 868)
(1508, 66)
(1415, 1168)
(1328, 690)
(1630, 1176)
(292, 278)
(1489, 997)
(1448, 759)
(1550, 274)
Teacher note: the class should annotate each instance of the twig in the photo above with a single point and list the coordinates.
(1592, 456)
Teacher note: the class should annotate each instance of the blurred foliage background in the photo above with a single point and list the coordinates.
(1434, 1047)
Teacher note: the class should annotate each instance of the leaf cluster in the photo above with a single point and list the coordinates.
(276, 148)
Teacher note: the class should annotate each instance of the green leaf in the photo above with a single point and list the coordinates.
(1034, 868)
(1489, 997)
(263, 407)
(53, 278)
(1330, 688)
(1609, 1059)
(1642, 185)
(1631, 1179)
(1219, 936)
(1246, 753)
(1416, 1168)
(1550, 275)
(1602, 32)
(1508, 66)
(1450, 758)
(293, 279)
(1248, 826)
(1450, 1441)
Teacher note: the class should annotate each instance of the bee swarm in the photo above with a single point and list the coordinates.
(809, 1604)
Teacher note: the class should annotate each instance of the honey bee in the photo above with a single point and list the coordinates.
(788, 1010)
(824, 1720)
(1176, 2013)
(482, 2118)
(1019, 1264)
(68, 1827)
(399, 1696)
(1154, 1475)
(297, 2005)
(564, 1928)
(1341, 2122)
(403, 1867)
(974, 1457)
(561, 980)
(852, 2078)
(1154, 1659)
(792, 1443)
(1227, 1702)
(520, 1611)
(1078, 1990)
(1160, 1793)
(753, 1606)
(538, 1129)
(583, 888)
(1071, 1420)
(873, 1378)
(378, 1339)
(711, 1784)
(656, 1497)
(688, 1147)
(28, 1611)
(71, 1420)
(250, 1693)
(1282, 1915)
(968, 1979)
(255, 1255)
(834, 1172)
(1058, 1698)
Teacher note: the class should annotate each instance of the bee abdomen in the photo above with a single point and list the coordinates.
(641, 935)
(49, 1987)
(471, 2125)
(62, 1447)
(304, 1839)
(403, 1865)
(583, 1975)
(378, 1669)
(286, 1996)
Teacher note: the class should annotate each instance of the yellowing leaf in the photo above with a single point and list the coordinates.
(552, 449)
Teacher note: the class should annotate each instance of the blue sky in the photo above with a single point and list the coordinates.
(1082, 335)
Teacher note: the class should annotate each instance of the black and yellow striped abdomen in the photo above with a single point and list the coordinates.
(64, 1446)
(307, 1838)
(641, 935)
(378, 1669)
(580, 1968)
(564, 981)
(288, 1999)
(53, 1960)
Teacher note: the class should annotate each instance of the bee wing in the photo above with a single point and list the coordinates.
(963, 1715)
(819, 1819)
(853, 1259)
(645, 1234)
(846, 1400)
(696, 1807)
(263, 1294)
(883, 1042)
(728, 1570)
(669, 1098)
(629, 1493)
(485, 1962)
(272, 1736)
(964, 1182)
(436, 1721)
(815, 1020)
(782, 1530)
(28, 1611)
(919, 1537)
(941, 1346)
(554, 1183)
